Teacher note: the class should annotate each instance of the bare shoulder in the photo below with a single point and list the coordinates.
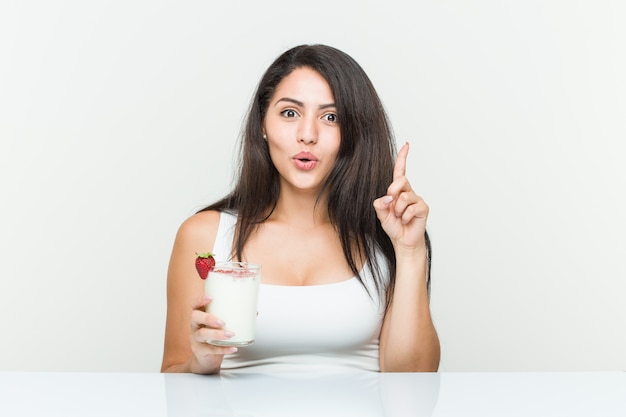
(199, 230)
(195, 235)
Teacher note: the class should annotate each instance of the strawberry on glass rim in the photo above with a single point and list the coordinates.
(205, 262)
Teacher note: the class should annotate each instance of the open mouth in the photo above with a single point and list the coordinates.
(305, 164)
(305, 160)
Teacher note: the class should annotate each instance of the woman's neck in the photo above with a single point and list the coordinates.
(301, 210)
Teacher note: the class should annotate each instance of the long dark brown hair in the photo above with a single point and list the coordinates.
(362, 172)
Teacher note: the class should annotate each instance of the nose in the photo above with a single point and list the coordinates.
(307, 132)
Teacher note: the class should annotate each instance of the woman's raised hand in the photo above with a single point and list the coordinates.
(401, 212)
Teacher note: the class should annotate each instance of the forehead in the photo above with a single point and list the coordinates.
(303, 83)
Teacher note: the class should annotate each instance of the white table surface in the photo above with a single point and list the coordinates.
(601, 394)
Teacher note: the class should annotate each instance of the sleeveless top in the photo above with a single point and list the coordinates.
(327, 327)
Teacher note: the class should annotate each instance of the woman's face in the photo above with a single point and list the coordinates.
(302, 130)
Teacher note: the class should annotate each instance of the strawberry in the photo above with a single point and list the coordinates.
(204, 264)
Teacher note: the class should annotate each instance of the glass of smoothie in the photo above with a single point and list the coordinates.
(234, 287)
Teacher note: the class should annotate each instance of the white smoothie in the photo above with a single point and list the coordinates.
(234, 287)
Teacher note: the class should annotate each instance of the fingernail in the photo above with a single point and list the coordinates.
(387, 199)
(228, 334)
(219, 323)
(232, 350)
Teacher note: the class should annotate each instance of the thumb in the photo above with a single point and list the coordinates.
(201, 302)
(382, 206)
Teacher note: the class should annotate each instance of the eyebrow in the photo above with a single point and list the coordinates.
(301, 104)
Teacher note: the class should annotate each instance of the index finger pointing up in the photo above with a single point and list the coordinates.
(399, 169)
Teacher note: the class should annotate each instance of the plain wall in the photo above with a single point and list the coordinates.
(119, 119)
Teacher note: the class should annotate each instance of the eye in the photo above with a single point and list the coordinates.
(330, 117)
(289, 113)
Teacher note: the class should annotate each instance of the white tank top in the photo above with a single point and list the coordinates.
(327, 328)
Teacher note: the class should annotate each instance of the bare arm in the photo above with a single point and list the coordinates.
(408, 341)
(187, 325)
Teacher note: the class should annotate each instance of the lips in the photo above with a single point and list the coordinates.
(305, 161)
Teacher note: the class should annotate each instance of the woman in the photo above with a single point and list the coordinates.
(335, 224)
